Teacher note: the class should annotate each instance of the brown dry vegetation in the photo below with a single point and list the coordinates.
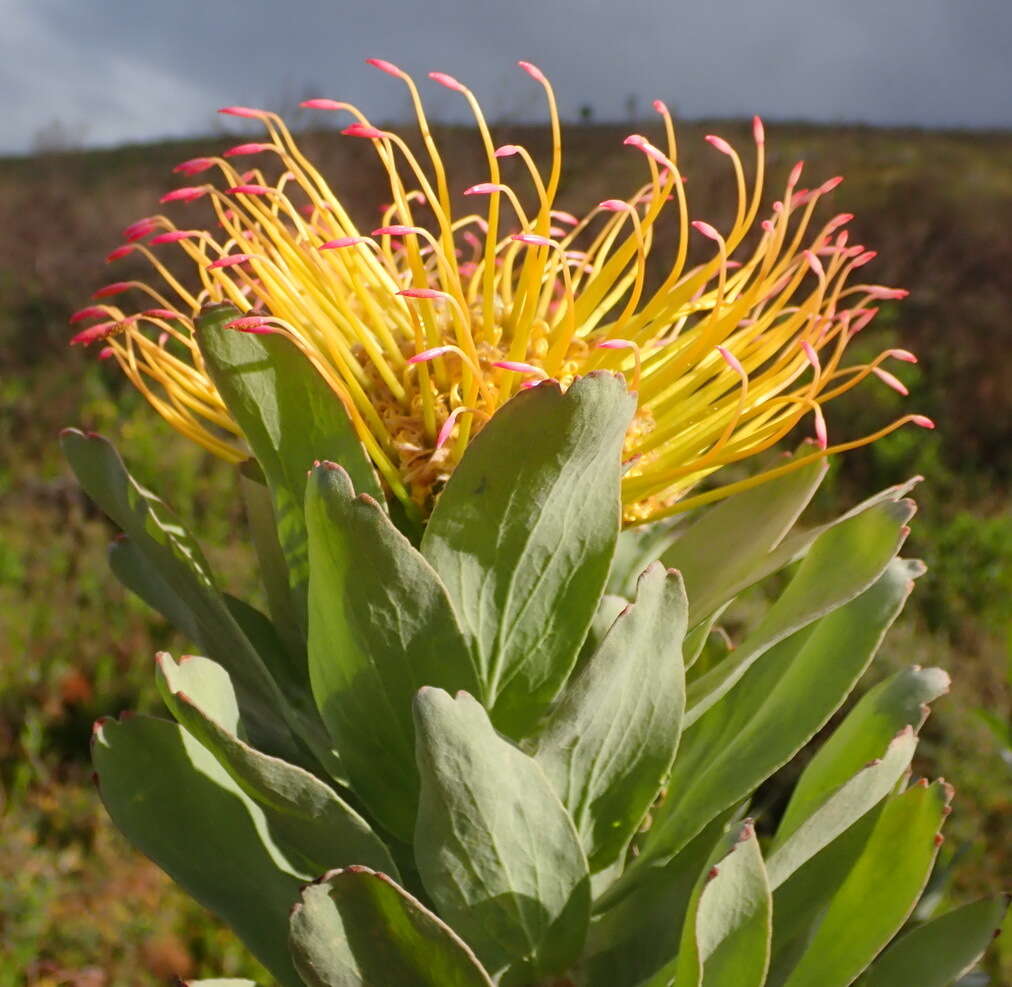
(76, 905)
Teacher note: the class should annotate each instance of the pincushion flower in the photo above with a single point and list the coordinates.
(425, 325)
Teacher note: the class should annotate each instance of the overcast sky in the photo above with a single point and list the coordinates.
(102, 72)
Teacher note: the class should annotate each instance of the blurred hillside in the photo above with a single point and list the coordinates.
(76, 906)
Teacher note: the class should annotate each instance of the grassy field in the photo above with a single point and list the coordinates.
(77, 906)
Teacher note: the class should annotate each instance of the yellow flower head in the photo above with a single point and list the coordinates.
(426, 325)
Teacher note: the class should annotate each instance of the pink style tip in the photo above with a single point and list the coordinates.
(141, 228)
(795, 176)
(343, 241)
(814, 263)
(484, 188)
(821, 432)
(160, 313)
(833, 183)
(174, 236)
(532, 239)
(248, 112)
(719, 143)
(642, 144)
(533, 71)
(430, 293)
(106, 353)
(252, 323)
(447, 80)
(447, 429)
(232, 260)
(732, 361)
(254, 147)
(660, 107)
(93, 333)
(320, 103)
(116, 288)
(126, 248)
(396, 230)
(186, 194)
(617, 344)
(615, 205)
(811, 355)
(864, 258)
(564, 217)
(384, 66)
(706, 229)
(903, 355)
(507, 150)
(194, 166)
(430, 354)
(922, 420)
(364, 130)
(250, 190)
(758, 130)
(890, 380)
(842, 219)
(91, 312)
(865, 315)
(886, 294)
(519, 368)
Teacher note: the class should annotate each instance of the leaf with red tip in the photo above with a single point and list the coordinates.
(877, 894)
(881, 713)
(377, 633)
(290, 417)
(737, 744)
(176, 804)
(726, 934)
(942, 951)
(307, 819)
(356, 926)
(608, 779)
(495, 849)
(795, 845)
(170, 566)
(525, 551)
(843, 562)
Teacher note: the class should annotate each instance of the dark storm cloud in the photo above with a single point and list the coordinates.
(117, 70)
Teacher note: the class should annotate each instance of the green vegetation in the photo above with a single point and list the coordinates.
(76, 902)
